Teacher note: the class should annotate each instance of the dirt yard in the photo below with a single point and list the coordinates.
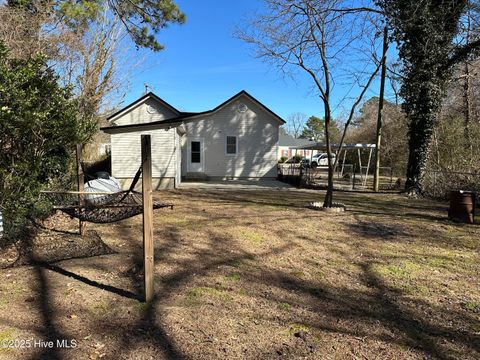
(257, 275)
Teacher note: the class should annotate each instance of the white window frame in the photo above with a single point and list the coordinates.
(226, 145)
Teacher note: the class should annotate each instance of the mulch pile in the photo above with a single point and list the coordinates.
(45, 243)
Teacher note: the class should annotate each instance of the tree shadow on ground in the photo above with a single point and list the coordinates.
(42, 301)
(383, 305)
(148, 330)
(357, 203)
(333, 302)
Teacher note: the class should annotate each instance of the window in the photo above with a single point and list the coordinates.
(195, 152)
(231, 145)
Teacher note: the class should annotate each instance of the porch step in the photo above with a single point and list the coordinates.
(196, 176)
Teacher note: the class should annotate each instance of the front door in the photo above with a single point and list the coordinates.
(195, 155)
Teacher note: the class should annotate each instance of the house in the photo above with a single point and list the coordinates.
(288, 146)
(235, 140)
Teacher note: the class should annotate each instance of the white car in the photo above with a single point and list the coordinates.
(321, 159)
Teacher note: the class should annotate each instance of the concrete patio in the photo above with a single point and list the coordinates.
(236, 185)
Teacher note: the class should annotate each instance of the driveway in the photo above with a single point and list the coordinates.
(236, 185)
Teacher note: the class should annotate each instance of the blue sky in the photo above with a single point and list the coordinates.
(203, 64)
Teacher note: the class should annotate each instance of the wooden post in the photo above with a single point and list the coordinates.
(81, 185)
(354, 176)
(378, 141)
(368, 167)
(360, 164)
(147, 217)
(343, 162)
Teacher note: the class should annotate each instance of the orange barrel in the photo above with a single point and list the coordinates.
(462, 206)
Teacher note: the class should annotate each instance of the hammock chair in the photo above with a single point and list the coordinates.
(99, 206)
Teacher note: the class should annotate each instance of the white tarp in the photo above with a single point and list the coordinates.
(110, 185)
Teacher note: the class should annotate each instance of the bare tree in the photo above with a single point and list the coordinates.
(95, 64)
(91, 59)
(330, 41)
(29, 33)
(295, 124)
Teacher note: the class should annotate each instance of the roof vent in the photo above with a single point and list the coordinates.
(242, 107)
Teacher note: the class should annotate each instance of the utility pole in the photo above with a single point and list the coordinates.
(376, 177)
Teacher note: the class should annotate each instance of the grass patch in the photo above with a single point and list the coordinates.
(469, 242)
(298, 274)
(141, 306)
(196, 294)
(319, 275)
(438, 261)
(285, 306)
(296, 327)
(233, 277)
(3, 304)
(472, 306)
(5, 336)
(221, 222)
(404, 270)
(252, 236)
(12, 288)
(246, 264)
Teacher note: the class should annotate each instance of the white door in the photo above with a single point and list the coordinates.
(195, 155)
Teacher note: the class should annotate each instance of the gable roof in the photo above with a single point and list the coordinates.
(142, 99)
(285, 139)
(183, 115)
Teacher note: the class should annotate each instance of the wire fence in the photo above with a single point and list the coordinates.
(438, 184)
(346, 177)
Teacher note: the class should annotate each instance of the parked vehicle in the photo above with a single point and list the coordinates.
(321, 159)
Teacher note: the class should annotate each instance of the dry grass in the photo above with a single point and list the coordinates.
(256, 275)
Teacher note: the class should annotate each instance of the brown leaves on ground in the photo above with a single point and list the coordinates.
(257, 275)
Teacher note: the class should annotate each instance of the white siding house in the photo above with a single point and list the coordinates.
(236, 140)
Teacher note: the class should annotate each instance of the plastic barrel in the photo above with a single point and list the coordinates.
(462, 206)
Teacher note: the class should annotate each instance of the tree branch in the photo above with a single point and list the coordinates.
(462, 52)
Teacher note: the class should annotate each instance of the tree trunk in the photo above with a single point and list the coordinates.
(420, 133)
(329, 195)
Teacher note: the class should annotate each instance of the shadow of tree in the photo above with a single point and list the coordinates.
(351, 307)
(382, 306)
(48, 329)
